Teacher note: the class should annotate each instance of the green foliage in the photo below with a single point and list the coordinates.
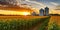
(22, 24)
(53, 26)
(44, 24)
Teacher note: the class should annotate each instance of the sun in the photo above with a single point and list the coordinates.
(25, 13)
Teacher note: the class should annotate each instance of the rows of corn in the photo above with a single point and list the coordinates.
(23, 24)
(54, 26)
(54, 23)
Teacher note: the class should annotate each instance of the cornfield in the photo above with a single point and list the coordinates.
(23, 24)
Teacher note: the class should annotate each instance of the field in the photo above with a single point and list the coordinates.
(28, 22)
(54, 23)
(55, 19)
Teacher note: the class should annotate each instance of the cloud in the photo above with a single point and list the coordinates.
(53, 3)
(35, 2)
(57, 7)
(27, 0)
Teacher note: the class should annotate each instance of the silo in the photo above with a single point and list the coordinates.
(46, 11)
(41, 12)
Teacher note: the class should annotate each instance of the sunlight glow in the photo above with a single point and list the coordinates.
(5, 12)
(25, 13)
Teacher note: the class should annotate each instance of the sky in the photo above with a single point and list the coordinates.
(54, 5)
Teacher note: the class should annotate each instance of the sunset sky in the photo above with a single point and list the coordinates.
(36, 5)
(54, 5)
